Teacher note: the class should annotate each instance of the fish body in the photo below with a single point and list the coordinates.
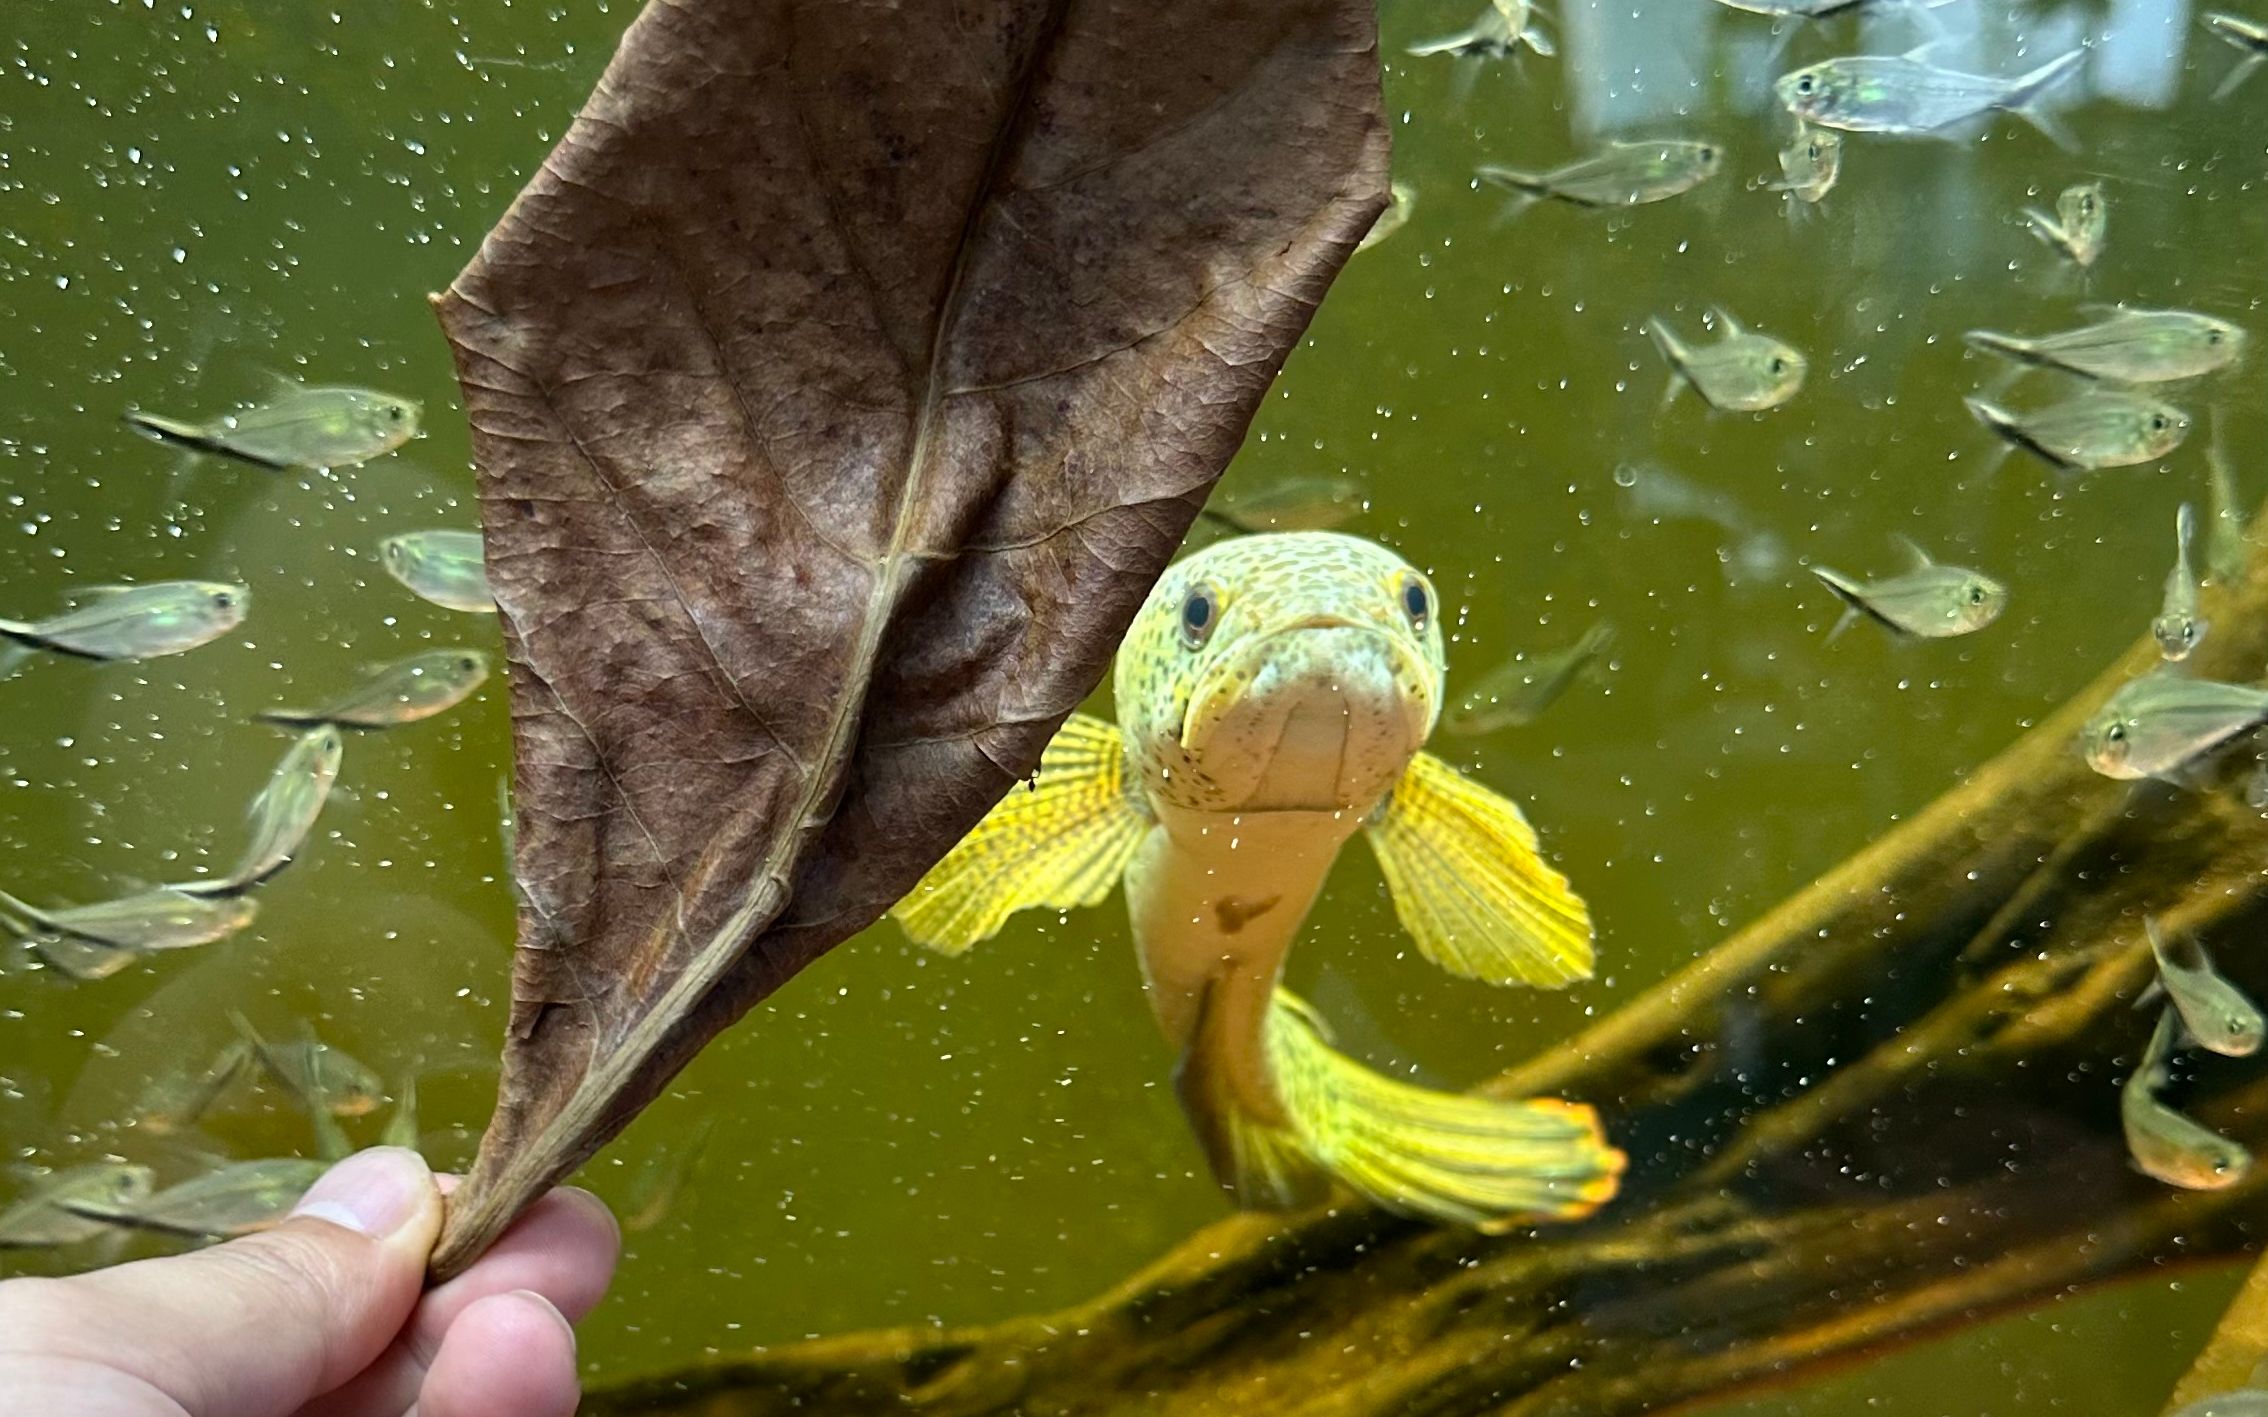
(2165, 1144)
(2128, 347)
(2162, 724)
(2080, 226)
(1401, 201)
(1497, 33)
(2090, 431)
(297, 426)
(1905, 94)
(1275, 693)
(2248, 37)
(283, 813)
(1810, 165)
(1928, 602)
(2224, 533)
(1618, 175)
(1743, 372)
(2179, 628)
(179, 1103)
(2215, 1012)
(43, 1218)
(1517, 692)
(448, 568)
(137, 622)
(403, 692)
(1306, 503)
(314, 1072)
(236, 1199)
(98, 940)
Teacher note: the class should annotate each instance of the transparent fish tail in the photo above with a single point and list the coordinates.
(2006, 346)
(13, 651)
(1673, 354)
(2026, 97)
(1469, 1160)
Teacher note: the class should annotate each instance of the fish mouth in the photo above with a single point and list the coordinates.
(1320, 713)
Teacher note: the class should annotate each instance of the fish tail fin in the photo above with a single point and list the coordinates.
(1847, 592)
(2236, 77)
(2027, 94)
(165, 430)
(83, 959)
(15, 917)
(1061, 842)
(2006, 346)
(1472, 887)
(1487, 1162)
(1673, 354)
(289, 718)
(14, 649)
(1994, 417)
(1540, 42)
(1526, 187)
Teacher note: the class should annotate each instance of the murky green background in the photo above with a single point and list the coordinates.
(191, 194)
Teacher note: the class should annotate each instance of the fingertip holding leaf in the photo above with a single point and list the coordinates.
(839, 387)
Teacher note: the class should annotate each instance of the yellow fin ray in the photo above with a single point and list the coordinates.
(1061, 843)
(1479, 1161)
(1470, 885)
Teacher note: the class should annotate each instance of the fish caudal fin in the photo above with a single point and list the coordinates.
(2025, 97)
(1470, 886)
(2006, 346)
(1527, 188)
(83, 959)
(1481, 1161)
(1846, 591)
(1673, 354)
(1062, 842)
(165, 430)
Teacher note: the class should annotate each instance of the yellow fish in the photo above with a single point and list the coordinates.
(1275, 693)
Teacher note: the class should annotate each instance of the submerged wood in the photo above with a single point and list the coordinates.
(2233, 1356)
(1886, 1109)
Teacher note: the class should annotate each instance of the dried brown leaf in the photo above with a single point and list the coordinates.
(839, 387)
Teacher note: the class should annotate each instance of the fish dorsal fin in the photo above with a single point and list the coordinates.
(1727, 326)
(1469, 885)
(274, 383)
(1060, 842)
(1914, 553)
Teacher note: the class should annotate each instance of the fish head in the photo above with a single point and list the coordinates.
(1974, 600)
(2160, 428)
(388, 419)
(2177, 633)
(1812, 94)
(1292, 671)
(398, 552)
(2108, 741)
(2223, 338)
(2081, 208)
(455, 666)
(226, 604)
(1778, 370)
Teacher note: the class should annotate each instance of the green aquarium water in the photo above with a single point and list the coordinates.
(199, 195)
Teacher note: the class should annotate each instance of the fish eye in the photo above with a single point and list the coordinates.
(395, 413)
(1200, 612)
(1708, 153)
(1779, 365)
(1805, 83)
(2116, 733)
(225, 599)
(1417, 601)
(1976, 595)
(468, 663)
(1815, 149)
(2158, 423)
(2212, 334)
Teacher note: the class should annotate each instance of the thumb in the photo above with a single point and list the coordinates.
(258, 1326)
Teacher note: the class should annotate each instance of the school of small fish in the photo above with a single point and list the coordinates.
(291, 426)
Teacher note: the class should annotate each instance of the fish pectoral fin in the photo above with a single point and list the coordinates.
(1470, 886)
(1061, 842)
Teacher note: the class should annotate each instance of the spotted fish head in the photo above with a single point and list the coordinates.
(1297, 671)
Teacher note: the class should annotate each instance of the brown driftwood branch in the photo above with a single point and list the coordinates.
(1886, 1109)
(2236, 1350)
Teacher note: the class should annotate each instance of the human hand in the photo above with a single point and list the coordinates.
(324, 1316)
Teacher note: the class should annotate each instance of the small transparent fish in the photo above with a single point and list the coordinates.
(1743, 372)
(41, 1218)
(1618, 175)
(1753, 552)
(1929, 602)
(2163, 723)
(1316, 503)
(1880, 93)
(1516, 693)
(1810, 165)
(96, 941)
(180, 1103)
(2178, 627)
(403, 692)
(2080, 226)
(308, 1068)
(237, 1199)
(2165, 1144)
(2225, 532)
(1401, 200)
(448, 568)
(2128, 347)
(2248, 37)
(1497, 33)
(133, 622)
(2100, 428)
(2215, 1012)
(401, 1126)
(283, 813)
(297, 425)
(654, 1191)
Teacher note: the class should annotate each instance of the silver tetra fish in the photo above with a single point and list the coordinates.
(1905, 94)
(404, 692)
(2090, 431)
(2080, 226)
(1497, 33)
(2179, 628)
(446, 568)
(132, 622)
(2249, 37)
(296, 426)
(2215, 1012)
(2164, 725)
(283, 813)
(42, 1218)
(2127, 347)
(1928, 602)
(1618, 175)
(1743, 372)
(96, 941)
(1810, 165)
(1516, 693)
(237, 1199)
(2224, 533)
(2165, 1144)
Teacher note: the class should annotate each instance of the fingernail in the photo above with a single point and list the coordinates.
(371, 1192)
(552, 1309)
